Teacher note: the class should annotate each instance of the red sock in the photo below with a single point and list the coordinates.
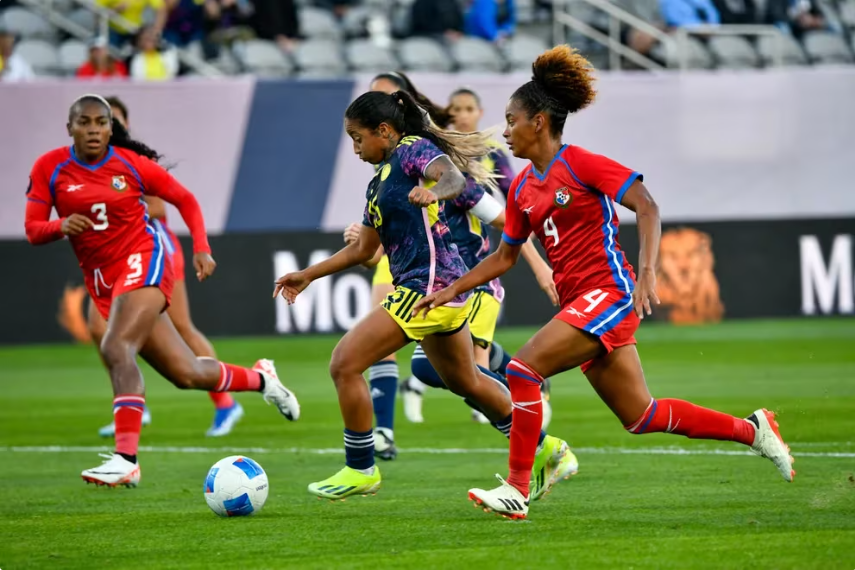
(685, 418)
(237, 379)
(527, 419)
(127, 414)
(222, 400)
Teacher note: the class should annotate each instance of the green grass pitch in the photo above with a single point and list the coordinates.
(653, 501)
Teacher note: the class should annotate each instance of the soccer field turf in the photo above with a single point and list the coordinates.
(653, 501)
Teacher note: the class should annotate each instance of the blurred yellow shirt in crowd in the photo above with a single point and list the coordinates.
(131, 10)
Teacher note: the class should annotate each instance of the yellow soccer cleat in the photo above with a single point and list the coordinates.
(553, 462)
(345, 483)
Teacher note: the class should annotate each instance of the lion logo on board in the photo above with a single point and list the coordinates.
(119, 184)
(686, 283)
(563, 197)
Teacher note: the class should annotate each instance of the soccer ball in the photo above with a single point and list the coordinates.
(236, 486)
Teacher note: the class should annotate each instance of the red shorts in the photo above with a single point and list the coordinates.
(173, 249)
(606, 313)
(148, 268)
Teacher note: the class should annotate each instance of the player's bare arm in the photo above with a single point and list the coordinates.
(351, 234)
(639, 200)
(494, 265)
(156, 207)
(450, 183)
(360, 251)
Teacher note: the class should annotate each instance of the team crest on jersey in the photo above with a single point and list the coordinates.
(384, 172)
(563, 197)
(119, 184)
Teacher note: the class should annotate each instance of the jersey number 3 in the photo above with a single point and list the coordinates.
(549, 229)
(100, 211)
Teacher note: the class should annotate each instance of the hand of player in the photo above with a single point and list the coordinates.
(204, 265)
(351, 233)
(291, 285)
(645, 292)
(432, 301)
(547, 283)
(422, 197)
(76, 224)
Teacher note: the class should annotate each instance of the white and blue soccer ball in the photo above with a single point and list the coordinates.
(236, 486)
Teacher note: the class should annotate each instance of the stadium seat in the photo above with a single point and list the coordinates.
(401, 21)
(316, 23)
(847, 14)
(264, 58)
(85, 19)
(354, 21)
(41, 56)
(522, 50)
(697, 55)
(320, 58)
(827, 47)
(733, 52)
(423, 54)
(475, 54)
(27, 24)
(364, 55)
(792, 50)
(525, 11)
(72, 54)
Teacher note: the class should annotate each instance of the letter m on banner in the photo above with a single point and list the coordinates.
(823, 284)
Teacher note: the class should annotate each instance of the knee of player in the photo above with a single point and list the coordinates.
(117, 352)
(341, 365)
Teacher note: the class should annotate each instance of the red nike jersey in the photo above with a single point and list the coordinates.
(110, 194)
(570, 208)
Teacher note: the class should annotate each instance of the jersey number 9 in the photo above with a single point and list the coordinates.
(100, 211)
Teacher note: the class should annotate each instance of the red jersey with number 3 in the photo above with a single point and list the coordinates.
(571, 209)
(110, 194)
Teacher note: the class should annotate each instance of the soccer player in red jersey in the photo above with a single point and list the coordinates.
(97, 187)
(228, 411)
(566, 197)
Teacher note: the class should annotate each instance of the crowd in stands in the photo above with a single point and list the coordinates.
(145, 36)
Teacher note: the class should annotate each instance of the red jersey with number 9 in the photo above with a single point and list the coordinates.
(110, 194)
(570, 208)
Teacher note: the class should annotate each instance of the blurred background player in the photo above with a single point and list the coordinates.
(473, 241)
(392, 131)
(96, 186)
(227, 411)
(566, 196)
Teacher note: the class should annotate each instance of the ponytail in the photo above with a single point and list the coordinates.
(438, 114)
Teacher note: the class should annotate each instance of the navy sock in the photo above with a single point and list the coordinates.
(504, 425)
(497, 377)
(499, 359)
(359, 449)
(383, 379)
(541, 437)
(424, 370)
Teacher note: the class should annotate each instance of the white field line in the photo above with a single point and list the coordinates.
(414, 450)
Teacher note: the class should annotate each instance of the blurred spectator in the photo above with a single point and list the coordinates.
(647, 10)
(437, 18)
(185, 22)
(339, 7)
(13, 67)
(492, 20)
(134, 12)
(228, 20)
(796, 16)
(277, 20)
(151, 63)
(688, 13)
(737, 11)
(101, 63)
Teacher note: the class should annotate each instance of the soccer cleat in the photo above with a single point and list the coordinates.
(384, 444)
(546, 389)
(345, 483)
(412, 393)
(109, 430)
(275, 392)
(225, 420)
(553, 462)
(504, 500)
(546, 412)
(768, 443)
(115, 471)
(479, 417)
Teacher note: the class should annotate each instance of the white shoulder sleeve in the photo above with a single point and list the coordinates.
(487, 209)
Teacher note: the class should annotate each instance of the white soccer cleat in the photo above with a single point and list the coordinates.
(275, 392)
(546, 412)
(504, 500)
(768, 443)
(109, 430)
(115, 471)
(384, 444)
(479, 417)
(412, 393)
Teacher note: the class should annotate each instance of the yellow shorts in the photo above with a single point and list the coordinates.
(442, 320)
(482, 319)
(382, 274)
